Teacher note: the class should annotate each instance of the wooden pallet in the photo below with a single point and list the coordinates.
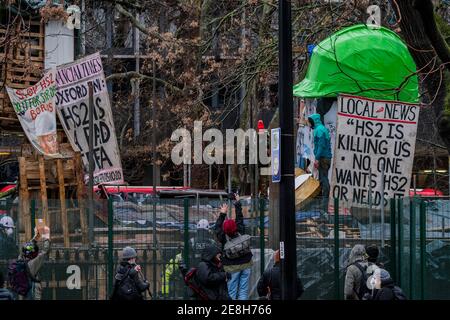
(40, 176)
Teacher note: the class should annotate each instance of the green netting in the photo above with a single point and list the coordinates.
(364, 61)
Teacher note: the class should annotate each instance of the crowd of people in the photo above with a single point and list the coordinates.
(220, 264)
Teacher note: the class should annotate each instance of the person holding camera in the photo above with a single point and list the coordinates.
(238, 256)
(129, 282)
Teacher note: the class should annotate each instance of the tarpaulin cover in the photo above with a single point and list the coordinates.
(360, 60)
(36, 4)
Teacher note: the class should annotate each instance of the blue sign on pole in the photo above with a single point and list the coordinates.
(276, 155)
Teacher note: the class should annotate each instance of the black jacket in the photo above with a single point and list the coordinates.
(271, 278)
(211, 276)
(386, 292)
(127, 270)
(201, 240)
(221, 237)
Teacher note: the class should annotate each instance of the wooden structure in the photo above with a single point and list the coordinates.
(22, 58)
(44, 178)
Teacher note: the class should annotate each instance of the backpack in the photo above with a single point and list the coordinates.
(363, 289)
(237, 247)
(398, 293)
(190, 279)
(19, 277)
(126, 290)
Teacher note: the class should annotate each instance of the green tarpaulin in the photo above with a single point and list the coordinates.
(364, 61)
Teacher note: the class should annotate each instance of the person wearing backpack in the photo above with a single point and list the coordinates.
(385, 289)
(269, 285)
(23, 273)
(5, 294)
(129, 283)
(355, 278)
(238, 256)
(211, 276)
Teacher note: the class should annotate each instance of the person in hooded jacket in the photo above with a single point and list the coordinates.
(129, 281)
(269, 285)
(240, 267)
(357, 262)
(211, 275)
(322, 153)
(8, 246)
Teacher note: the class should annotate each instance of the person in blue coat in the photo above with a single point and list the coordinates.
(322, 153)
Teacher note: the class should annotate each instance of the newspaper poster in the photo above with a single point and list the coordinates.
(36, 110)
(72, 101)
(373, 136)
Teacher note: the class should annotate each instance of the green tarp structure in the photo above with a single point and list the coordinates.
(364, 61)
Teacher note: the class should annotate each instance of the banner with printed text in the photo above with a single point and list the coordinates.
(72, 101)
(373, 136)
(35, 108)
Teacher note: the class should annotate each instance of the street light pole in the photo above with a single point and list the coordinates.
(287, 196)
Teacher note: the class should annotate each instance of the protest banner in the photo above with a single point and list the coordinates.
(72, 101)
(372, 136)
(35, 108)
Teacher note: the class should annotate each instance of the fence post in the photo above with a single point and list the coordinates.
(412, 245)
(422, 248)
(33, 217)
(393, 254)
(186, 232)
(110, 246)
(400, 241)
(262, 235)
(336, 249)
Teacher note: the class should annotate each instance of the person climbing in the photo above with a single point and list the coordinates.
(237, 258)
(23, 273)
(355, 286)
(129, 282)
(269, 285)
(211, 275)
(322, 154)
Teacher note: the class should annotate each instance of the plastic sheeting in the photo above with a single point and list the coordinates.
(363, 61)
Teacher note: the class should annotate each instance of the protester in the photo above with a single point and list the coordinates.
(373, 252)
(8, 247)
(237, 258)
(385, 289)
(355, 283)
(322, 154)
(212, 276)
(23, 273)
(5, 294)
(130, 283)
(269, 285)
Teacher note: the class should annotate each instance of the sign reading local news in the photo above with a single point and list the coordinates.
(276, 161)
(72, 101)
(372, 136)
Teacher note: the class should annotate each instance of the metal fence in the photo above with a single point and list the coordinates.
(413, 235)
(159, 229)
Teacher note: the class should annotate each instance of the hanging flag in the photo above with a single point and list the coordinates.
(35, 107)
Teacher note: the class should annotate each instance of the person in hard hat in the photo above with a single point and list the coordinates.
(24, 273)
(8, 246)
(130, 283)
(322, 153)
(201, 240)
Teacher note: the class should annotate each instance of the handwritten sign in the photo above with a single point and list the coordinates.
(35, 108)
(72, 101)
(372, 136)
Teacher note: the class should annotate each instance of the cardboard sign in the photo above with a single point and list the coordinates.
(35, 108)
(372, 136)
(72, 101)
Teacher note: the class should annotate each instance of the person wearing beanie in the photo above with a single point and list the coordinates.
(238, 266)
(372, 254)
(130, 283)
(385, 289)
(269, 285)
